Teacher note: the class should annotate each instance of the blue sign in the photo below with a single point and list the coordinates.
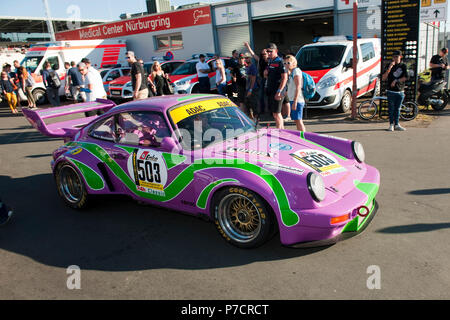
(280, 146)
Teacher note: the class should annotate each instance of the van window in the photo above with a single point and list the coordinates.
(31, 63)
(320, 57)
(367, 51)
(350, 56)
(54, 63)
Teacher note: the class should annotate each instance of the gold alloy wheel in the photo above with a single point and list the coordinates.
(239, 218)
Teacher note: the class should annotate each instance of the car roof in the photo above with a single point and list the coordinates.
(163, 103)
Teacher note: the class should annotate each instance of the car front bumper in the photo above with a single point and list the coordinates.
(315, 227)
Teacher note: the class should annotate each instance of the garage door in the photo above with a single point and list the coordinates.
(231, 38)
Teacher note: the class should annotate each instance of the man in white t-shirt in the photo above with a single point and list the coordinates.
(95, 79)
(203, 70)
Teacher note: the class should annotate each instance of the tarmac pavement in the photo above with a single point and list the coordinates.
(129, 251)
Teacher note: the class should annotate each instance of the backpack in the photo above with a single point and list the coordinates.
(309, 87)
(54, 81)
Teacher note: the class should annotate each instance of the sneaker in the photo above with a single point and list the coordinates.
(399, 128)
(5, 214)
(391, 128)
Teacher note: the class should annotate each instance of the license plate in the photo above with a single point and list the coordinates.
(116, 92)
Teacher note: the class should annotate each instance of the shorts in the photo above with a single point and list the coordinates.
(297, 114)
(275, 106)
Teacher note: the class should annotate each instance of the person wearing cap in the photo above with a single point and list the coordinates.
(438, 65)
(94, 80)
(277, 77)
(396, 75)
(203, 71)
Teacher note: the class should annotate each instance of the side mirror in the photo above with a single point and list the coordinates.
(109, 79)
(349, 64)
(168, 144)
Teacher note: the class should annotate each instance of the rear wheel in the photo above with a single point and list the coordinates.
(70, 186)
(242, 217)
(409, 111)
(346, 102)
(442, 98)
(39, 96)
(367, 109)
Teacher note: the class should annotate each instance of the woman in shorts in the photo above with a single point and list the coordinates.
(294, 92)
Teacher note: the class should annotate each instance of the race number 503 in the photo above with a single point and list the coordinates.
(148, 171)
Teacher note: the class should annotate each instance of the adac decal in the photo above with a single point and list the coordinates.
(318, 160)
(198, 107)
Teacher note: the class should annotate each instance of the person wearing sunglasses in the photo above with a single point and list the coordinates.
(276, 84)
(294, 91)
(138, 77)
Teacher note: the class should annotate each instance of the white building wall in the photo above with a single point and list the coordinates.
(197, 39)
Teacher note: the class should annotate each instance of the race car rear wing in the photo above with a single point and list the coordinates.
(65, 129)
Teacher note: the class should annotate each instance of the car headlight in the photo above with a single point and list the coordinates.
(316, 186)
(128, 84)
(358, 151)
(180, 83)
(327, 82)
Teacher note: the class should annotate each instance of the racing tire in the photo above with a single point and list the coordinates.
(367, 109)
(39, 96)
(346, 102)
(409, 111)
(242, 217)
(70, 186)
(442, 106)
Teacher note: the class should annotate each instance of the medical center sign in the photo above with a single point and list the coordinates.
(170, 20)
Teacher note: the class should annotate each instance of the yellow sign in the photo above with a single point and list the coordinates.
(198, 107)
(426, 3)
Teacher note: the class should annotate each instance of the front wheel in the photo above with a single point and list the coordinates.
(346, 102)
(242, 217)
(409, 111)
(367, 109)
(70, 186)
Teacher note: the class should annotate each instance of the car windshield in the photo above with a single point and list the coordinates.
(126, 72)
(204, 128)
(185, 69)
(320, 57)
(31, 63)
(103, 73)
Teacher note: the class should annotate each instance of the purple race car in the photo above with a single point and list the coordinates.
(200, 154)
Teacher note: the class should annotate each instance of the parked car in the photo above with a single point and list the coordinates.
(121, 87)
(329, 63)
(185, 79)
(251, 182)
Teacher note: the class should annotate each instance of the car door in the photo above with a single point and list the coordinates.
(138, 151)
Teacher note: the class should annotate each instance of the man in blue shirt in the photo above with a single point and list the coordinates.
(51, 87)
(74, 81)
(277, 77)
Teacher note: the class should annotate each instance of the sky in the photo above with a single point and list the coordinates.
(89, 9)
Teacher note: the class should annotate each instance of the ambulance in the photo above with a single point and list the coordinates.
(329, 62)
(101, 53)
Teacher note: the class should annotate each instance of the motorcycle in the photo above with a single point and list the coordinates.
(433, 93)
